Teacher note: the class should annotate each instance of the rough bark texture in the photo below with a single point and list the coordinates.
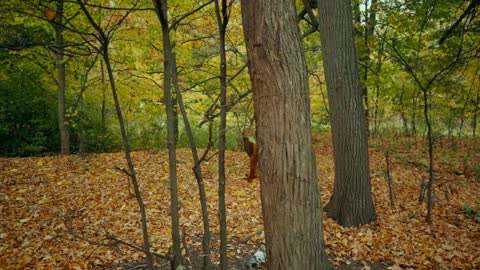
(292, 210)
(64, 130)
(351, 203)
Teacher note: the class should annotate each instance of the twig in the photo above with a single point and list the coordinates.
(389, 179)
(113, 241)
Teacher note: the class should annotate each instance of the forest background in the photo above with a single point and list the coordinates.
(418, 64)
(397, 43)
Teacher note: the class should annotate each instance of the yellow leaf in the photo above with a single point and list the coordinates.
(24, 220)
(39, 164)
(239, 193)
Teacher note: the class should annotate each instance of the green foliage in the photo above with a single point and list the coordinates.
(21, 35)
(87, 130)
(409, 29)
(27, 116)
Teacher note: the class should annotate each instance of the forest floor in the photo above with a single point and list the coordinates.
(57, 211)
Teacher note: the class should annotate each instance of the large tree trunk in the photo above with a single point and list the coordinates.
(62, 124)
(290, 196)
(351, 203)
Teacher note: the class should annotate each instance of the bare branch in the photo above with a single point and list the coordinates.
(180, 18)
(450, 30)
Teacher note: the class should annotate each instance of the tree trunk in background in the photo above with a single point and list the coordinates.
(413, 121)
(370, 15)
(62, 122)
(175, 115)
(357, 15)
(291, 205)
(475, 113)
(162, 13)
(403, 115)
(467, 100)
(104, 108)
(351, 203)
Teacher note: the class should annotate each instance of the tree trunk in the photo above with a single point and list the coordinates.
(351, 203)
(222, 21)
(475, 113)
(161, 10)
(131, 168)
(370, 22)
(430, 156)
(376, 116)
(104, 107)
(62, 121)
(176, 132)
(403, 115)
(467, 100)
(413, 121)
(290, 196)
(197, 169)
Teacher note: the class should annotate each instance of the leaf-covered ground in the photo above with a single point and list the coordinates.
(54, 209)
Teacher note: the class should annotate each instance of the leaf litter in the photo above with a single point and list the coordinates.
(54, 208)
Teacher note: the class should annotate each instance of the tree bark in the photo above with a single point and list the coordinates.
(104, 108)
(351, 203)
(290, 196)
(60, 64)
(162, 14)
(222, 21)
(403, 115)
(430, 156)
(475, 113)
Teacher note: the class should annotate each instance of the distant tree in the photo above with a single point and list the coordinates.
(351, 203)
(290, 196)
(60, 64)
(429, 67)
